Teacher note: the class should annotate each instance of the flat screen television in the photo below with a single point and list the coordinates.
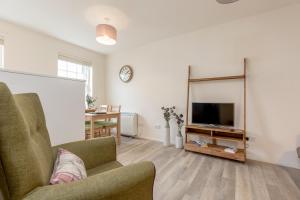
(219, 114)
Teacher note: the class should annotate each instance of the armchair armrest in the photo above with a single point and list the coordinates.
(132, 182)
(93, 152)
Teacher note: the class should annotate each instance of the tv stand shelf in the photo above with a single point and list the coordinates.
(216, 150)
(216, 134)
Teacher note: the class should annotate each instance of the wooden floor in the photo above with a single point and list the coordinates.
(190, 176)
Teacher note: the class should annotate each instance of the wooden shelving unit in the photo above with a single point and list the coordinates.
(215, 134)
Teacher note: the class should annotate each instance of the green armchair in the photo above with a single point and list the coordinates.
(27, 160)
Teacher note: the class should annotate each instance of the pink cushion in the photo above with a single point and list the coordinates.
(68, 167)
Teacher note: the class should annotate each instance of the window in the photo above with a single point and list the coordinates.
(1, 53)
(71, 68)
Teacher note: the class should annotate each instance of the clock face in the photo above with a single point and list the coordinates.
(126, 73)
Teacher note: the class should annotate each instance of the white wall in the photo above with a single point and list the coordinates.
(270, 41)
(61, 100)
(34, 52)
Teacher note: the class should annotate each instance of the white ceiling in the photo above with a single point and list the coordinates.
(138, 21)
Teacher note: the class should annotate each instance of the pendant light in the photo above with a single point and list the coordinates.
(226, 1)
(106, 34)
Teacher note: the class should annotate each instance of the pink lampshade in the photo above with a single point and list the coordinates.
(106, 34)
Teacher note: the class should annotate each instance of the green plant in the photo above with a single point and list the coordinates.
(90, 101)
(168, 112)
(180, 122)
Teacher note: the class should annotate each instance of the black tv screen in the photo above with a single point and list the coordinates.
(213, 113)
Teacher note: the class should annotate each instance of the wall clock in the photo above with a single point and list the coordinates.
(126, 73)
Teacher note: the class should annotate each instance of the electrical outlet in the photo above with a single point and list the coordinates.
(157, 126)
(252, 138)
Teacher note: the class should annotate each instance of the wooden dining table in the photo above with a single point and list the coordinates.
(92, 117)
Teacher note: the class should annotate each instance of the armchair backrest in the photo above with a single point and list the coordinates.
(25, 148)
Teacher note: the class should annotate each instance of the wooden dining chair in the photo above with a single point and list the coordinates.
(98, 130)
(109, 123)
(103, 108)
(112, 123)
(114, 108)
(98, 127)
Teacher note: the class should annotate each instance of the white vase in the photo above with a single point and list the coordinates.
(179, 142)
(167, 135)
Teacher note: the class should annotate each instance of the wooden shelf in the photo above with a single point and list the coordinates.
(228, 139)
(227, 130)
(200, 134)
(193, 80)
(218, 137)
(216, 150)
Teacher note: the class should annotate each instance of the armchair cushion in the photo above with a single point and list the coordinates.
(133, 182)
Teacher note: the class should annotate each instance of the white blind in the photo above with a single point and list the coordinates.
(72, 68)
(1, 53)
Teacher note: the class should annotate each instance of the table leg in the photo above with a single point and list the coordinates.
(119, 129)
(92, 129)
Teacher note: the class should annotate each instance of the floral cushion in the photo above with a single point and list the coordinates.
(68, 167)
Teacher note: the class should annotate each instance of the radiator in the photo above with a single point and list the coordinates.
(129, 124)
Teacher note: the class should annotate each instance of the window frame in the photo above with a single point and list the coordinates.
(76, 65)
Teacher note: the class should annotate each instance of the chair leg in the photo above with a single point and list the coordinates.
(106, 131)
(101, 132)
(86, 135)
